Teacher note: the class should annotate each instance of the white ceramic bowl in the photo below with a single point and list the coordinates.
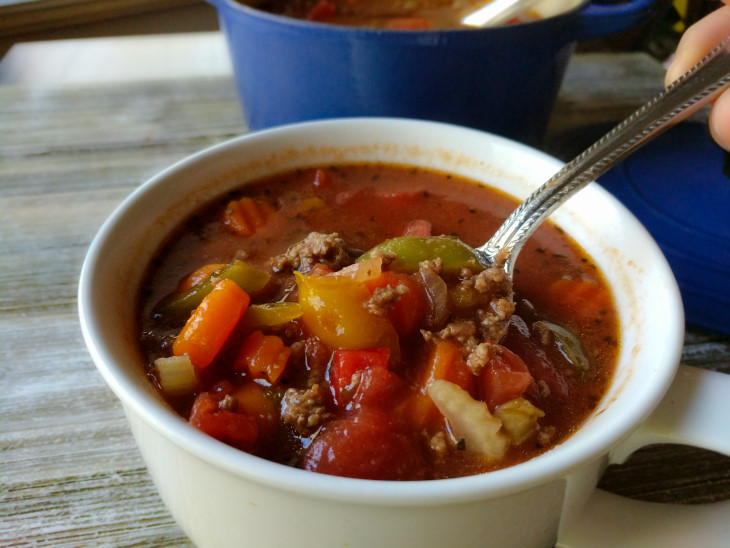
(224, 497)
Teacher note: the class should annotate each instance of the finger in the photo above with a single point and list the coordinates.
(698, 40)
(720, 120)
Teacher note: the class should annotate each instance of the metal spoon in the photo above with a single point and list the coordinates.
(497, 12)
(693, 90)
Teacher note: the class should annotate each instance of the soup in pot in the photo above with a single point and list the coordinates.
(382, 14)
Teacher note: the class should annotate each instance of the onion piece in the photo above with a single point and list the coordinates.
(567, 343)
(470, 419)
(519, 418)
(369, 269)
(437, 293)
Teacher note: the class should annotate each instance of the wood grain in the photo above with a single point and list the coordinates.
(70, 474)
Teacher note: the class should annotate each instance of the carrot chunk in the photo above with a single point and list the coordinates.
(245, 215)
(447, 362)
(586, 298)
(197, 276)
(251, 211)
(264, 356)
(235, 220)
(211, 323)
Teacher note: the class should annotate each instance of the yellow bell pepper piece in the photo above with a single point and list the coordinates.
(333, 310)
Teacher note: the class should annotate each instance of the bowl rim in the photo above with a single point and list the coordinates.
(552, 465)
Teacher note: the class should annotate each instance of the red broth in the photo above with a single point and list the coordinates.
(383, 14)
(358, 399)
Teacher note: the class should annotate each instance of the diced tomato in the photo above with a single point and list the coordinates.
(418, 227)
(377, 387)
(345, 363)
(321, 179)
(233, 428)
(367, 447)
(417, 412)
(263, 356)
(258, 402)
(409, 310)
(408, 23)
(322, 11)
(448, 363)
(320, 269)
(504, 378)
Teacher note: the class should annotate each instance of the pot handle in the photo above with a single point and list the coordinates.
(695, 411)
(601, 19)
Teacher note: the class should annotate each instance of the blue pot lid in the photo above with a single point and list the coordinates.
(678, 188)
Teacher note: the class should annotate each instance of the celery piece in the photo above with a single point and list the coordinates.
(248, 278)
(409, 251)
(176, 375)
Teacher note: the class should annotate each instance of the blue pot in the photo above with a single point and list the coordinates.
(503, 80)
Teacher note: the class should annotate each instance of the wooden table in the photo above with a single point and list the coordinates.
(70, 473)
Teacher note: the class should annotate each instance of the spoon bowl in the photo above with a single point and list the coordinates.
(497, 12)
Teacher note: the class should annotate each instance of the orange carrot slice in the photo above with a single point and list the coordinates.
(211, 323)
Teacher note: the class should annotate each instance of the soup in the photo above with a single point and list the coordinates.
(329, 319)
(383, 14)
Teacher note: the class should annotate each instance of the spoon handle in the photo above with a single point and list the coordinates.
(695, 89)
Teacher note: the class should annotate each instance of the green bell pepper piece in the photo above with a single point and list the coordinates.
(248, 278)
(270, 314)
(409, 251)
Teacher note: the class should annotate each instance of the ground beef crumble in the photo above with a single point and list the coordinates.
(439, 446)
(479, 339)
(305, 409)
(464, 332)
(384, 299)
(436, 265)
(328, 249)
(228, 403)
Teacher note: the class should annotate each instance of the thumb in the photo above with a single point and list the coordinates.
(698, 40)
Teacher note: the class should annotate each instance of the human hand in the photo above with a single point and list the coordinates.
(698, 40)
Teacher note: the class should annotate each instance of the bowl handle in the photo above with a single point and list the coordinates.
(608, 521)
(695, 411)
(601, 19)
